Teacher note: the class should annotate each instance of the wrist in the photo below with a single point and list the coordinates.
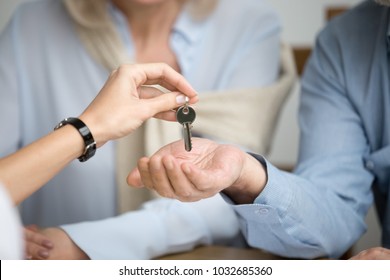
(96, 126)
(250, 183)
(85, 133)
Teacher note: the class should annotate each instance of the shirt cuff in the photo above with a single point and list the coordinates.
(276, 192)
(276, 195)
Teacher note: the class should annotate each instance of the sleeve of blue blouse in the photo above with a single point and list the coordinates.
(161, 227)
(9, 103)
(319, 210)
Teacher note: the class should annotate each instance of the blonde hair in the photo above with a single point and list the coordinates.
(98, 33)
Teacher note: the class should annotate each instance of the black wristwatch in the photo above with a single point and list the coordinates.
(89, 142)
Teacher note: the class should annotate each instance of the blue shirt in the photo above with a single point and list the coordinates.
(344, 154)
(46, 75)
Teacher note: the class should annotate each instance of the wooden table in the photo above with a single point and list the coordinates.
(222, 253)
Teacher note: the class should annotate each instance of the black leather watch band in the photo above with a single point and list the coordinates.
(89, 142)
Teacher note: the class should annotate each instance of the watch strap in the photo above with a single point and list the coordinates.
(89, 141)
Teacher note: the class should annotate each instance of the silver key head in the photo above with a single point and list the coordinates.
(185, 114)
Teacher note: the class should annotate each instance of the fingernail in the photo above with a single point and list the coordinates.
(43, 254)
(181, 99)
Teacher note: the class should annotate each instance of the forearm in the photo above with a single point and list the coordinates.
(28, 169)
(301, 218)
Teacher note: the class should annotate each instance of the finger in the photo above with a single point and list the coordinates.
(159, 178)
(36, 252)
(134, 179)
(37, 245)
(161, 108)
(32, 227)
(183, 189)
(162, 74)
(143, 167)
(203, 180)
(164, 103)
(166, 116)
(152, 91)
(147, 92)
(38, 238)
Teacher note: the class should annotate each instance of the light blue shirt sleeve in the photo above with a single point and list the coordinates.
(319, 210)
(161, 227)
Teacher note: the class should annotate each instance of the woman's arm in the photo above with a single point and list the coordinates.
(121, 106)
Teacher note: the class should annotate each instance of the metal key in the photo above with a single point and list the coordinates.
(185, 116)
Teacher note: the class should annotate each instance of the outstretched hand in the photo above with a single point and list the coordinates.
(190, 176)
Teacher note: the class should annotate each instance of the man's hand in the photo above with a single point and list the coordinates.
(377, 253)
(208, 169)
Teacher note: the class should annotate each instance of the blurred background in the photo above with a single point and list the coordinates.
(301, 20)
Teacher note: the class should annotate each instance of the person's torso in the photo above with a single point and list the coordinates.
(365, 74)
(57, 78)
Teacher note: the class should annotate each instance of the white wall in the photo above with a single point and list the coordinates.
(302, 19)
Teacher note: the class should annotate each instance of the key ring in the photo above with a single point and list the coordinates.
(185, 109)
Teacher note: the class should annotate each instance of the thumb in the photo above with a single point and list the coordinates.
(165, 102)
(134, 179)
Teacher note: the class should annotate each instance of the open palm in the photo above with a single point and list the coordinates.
(189, 176)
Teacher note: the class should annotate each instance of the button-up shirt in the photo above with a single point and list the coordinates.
(344, 153)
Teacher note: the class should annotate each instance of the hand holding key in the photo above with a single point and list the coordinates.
(185, 116)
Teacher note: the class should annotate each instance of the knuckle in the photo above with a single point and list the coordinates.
(185, 194)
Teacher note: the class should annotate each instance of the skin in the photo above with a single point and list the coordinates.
(172, 172)
(208, 169)
(123, 100)
(190, 178)
(201, 173)
(377, 253)
(150, 23)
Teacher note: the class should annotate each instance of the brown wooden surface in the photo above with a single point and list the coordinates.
(301, 54)
(221, 253)
(331, 12)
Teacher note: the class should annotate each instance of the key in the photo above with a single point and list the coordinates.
(185, 116)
